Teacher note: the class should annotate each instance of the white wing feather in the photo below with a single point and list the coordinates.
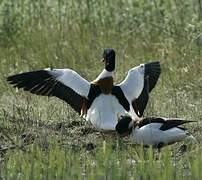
(71, 79)
(133, 84)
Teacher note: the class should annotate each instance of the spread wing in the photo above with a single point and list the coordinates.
(138, 83)
(65, 84)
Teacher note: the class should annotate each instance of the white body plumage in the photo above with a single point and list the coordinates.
(151, 134)
(104, 112)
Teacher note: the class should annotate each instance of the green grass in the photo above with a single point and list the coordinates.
(42, 138)
(113, 163)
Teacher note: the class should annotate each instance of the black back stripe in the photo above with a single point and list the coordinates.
(94, 92)
(118, 93)
(148, 120)
(166, 124)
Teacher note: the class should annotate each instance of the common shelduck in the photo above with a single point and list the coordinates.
(154, 131)
(99, 102)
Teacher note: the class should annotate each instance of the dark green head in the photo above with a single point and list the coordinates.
(109, 59)
(124, 125)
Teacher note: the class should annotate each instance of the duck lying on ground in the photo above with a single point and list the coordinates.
(154, 131)
(100, 102)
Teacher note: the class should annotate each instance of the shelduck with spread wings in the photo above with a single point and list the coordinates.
(100, 102)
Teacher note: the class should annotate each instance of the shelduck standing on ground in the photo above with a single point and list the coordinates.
(100, 102)
(154, 131)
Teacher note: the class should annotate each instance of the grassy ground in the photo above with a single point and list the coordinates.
(42, 138)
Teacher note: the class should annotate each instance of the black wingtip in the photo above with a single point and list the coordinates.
(10, 78)
(151, 76)
(32, 81)
(180, 119)
(152, 67)
(153, 63)
(42, 82)
(13, 79)
(152, 72)
(186, 121)
(171, 123)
